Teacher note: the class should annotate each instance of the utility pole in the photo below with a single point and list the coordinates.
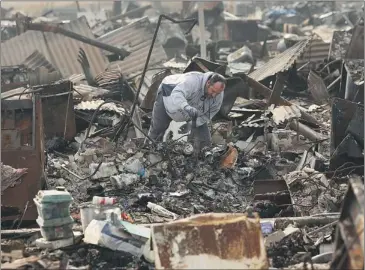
(203, 48)
(78, 6)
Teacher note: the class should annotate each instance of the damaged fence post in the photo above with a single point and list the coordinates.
(203, 48)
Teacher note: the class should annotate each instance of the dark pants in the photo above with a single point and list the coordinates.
(161, 121)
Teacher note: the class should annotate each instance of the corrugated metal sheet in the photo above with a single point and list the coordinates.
(36, 59)
(59, 50)
(281, 62)
(87, 92)
(317, 51)
(136, 38)
(93, 105)
(76, 78)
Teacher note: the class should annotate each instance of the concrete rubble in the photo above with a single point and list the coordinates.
(83, 187)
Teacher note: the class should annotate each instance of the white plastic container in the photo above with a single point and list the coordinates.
(52, 233)
(53, 204)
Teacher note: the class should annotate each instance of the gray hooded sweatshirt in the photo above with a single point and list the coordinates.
(180, 90)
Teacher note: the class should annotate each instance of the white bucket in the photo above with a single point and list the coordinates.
(87, 212)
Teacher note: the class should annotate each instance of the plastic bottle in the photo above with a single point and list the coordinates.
(161, 210)
(104, 200)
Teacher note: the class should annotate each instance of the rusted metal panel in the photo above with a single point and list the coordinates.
(59, 50)
(58, 110)
(356, 47)
(317, 88)
(210, 241)
(29, 155)
(137, 38)
(281, 62)
(349, 239)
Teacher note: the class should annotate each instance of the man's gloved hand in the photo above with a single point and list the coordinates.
(191, 111)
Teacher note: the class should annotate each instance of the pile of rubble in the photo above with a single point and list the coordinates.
(287, 149)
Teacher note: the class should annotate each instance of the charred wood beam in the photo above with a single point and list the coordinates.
(267, 92)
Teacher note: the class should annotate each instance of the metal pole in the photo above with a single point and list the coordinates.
(203, 48)
(93, 42)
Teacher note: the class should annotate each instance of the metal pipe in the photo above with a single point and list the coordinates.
(329, 88)
(306, 131)
(323, 258)
(59, 30)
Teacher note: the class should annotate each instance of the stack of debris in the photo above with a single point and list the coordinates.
(287, 151)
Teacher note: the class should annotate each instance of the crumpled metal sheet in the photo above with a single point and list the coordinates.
(210, 241)
(281, 62)
(316, 52)
(317, 88)
(93, 105)
(37, 59)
